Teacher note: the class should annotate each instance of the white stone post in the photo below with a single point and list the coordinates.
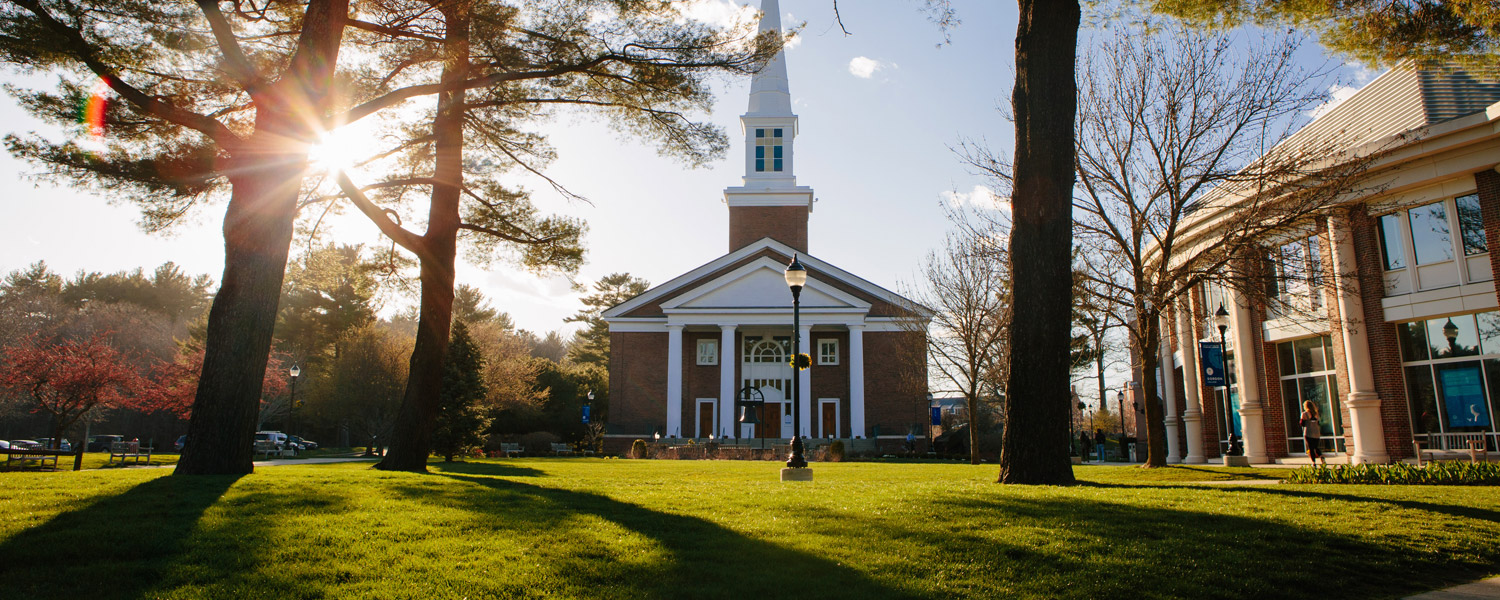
(804, 383)
(674, 381)
(1247, 378)
(1169, 390)
(857, 381)
(1362, 400)
(727, 385)
(1192, 418)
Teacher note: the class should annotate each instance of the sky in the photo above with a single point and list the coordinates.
(880, 110)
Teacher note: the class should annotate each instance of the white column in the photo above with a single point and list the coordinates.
(1362, 400)
(804, 382)
(674, 381)
(857, 380)
(1247, 379)
(728, 387)
(1169, 391)
(1192, 418)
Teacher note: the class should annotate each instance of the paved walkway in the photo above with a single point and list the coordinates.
(1488, 589)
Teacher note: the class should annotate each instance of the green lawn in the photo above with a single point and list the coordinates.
(596, 528)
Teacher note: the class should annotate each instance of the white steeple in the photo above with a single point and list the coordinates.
(770, 95)
(770, 203)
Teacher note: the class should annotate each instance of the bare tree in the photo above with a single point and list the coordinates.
(1175, 127)
(967, 288)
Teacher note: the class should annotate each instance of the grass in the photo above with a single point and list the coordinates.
(567, 528)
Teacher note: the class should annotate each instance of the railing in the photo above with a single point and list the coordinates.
(1457, 442)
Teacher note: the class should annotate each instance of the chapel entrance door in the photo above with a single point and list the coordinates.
(829, 423)
(764, 365)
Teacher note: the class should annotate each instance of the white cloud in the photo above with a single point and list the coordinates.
(719, 13)
(980, 197)
(865, 67)
(793, 43)
(1338, 93)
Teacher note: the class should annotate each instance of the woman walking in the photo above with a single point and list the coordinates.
(1312, 430)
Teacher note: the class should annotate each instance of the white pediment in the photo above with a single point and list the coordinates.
(761, 284)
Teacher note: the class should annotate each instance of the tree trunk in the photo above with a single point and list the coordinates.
(974, 428)
(411, 440)
(257, 238)
(1156, 435)
(266, 179)
(1035, 450)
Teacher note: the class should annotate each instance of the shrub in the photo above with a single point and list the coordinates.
(638, 449)
(1437, 473)
(539, 442)
(836, 451)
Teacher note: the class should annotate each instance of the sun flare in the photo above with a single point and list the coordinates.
(339, 149)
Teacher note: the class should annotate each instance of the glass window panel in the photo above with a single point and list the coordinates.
(1309, 355)
(1285, 357)
(1431, 239)
(760, 152)
(1470, 225)
(1334, 416)
(1234, 413)
(778, 133)
(1413, 340)
(1465, 344)
(1489, 332)
(1315, 390)
(760, 133)
(777, 166)
(1492, 380)
(1422, 399)
(1328, 352)
(1391, 246)
(1293, 410)
(760, 165)
(1462, 390)
(776, 152)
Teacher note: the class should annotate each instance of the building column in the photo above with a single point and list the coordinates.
(1247, 379)
(1362, 400)
(1192, 418)
(1169, 391)
(674, 381)
(728, 387)
(804, 382)
(857, 381)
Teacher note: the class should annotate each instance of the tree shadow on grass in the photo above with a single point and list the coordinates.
(684, 557)
(1082, 546)
(121, 542)
(488, 468)
(1353, 494)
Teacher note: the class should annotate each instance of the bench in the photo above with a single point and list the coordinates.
(560, 448)
(509, 450)
(41, 457)
(128, 451)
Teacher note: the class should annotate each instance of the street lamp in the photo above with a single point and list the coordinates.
(1121, 399)
(796, 277)
(1450, 331)
(1221, 320)
(292, 402)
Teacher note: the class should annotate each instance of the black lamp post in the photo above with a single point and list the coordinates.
(292, 402)
(1221, 320)
(796, 277)
(1121, 399)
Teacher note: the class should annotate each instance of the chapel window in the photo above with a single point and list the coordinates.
(768, 150)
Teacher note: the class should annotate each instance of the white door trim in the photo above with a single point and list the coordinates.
(713, 404)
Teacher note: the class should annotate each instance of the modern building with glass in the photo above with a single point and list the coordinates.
(1392, 329)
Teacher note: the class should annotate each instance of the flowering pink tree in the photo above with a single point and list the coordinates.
(68, 378)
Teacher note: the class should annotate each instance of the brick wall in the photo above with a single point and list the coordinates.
(831, 381)
(785, 224)
(895, 389)
(698, 381)
(637, 382)
(1385, 352)
(1489, 210)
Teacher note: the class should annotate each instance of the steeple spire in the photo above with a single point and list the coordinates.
(769, 92)
(770, 203)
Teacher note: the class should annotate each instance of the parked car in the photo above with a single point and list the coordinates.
(303, 443)
(100, 443)
(274, 442)
(25, 445)
(47, 444)
(181, 442)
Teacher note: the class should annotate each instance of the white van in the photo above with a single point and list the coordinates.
(273, 443)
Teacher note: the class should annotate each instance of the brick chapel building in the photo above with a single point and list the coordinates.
(683, 352)
(1394, 330)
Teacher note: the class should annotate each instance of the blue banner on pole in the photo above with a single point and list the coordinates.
(585, 414)
(1212, 363)
(937, 415)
